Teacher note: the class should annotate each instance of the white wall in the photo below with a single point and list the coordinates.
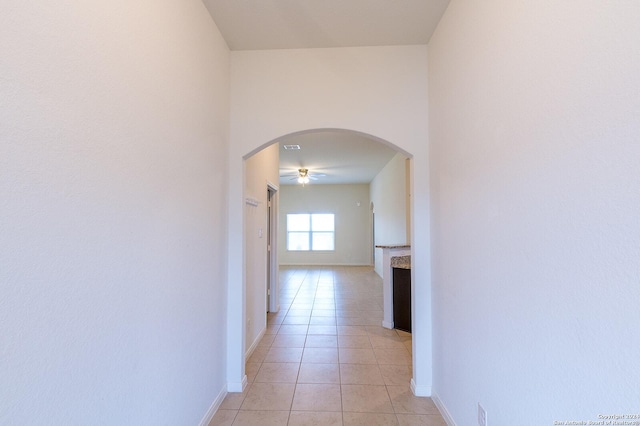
(534, 130)
(379, 91)
(113, 130)
(261, 169)
(353, 228)
(389, 197)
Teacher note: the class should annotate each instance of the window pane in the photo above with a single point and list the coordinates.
(298, 222)
(298, 241)
(322, 222)
(323, 241)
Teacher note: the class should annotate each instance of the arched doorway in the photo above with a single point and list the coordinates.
(237, 293)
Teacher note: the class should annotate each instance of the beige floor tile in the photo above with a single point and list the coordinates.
(347, 305)
(234, 400)
(295, 366)
(293, 329)
(377, 315)
(369, 419)
(289, 341)
(356, 356)
(259, 354)
(395, 356)
(311, 418)
(352, 330)
(251, 369)
(396, 375)
(284, 355)
(354, 342)
(223, 418)
(386, 342)
(266, 340)
(323, 329)
(420, 420)
(404, 401)
(381, 331)
(347, 313)
(355, 321)
(275, 318)
(324, 304)
(320, 355)
(325, 293)
(262, 418)
(289, 320)
(321, 341)
(374, 313)
(322, 321)
(304, 296)
(366, 399)
(403, 335)
(299, 312)
(319, 373)
(302, 305)
(272, 329)
(285, 372)
(269, 396)
(360, 374)
(323, 313)
(324, 307)
(317, 397)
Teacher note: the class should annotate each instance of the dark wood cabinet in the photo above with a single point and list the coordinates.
(402, 299)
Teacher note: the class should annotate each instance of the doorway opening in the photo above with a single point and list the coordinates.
(267, 157)
(272, 287)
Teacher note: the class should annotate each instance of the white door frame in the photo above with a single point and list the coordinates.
(273, 285)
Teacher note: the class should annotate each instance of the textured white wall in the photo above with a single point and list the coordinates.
(352, 222)
(534, 128)
(389, 197)
(260, 168)
(113, 130)
(379, 91)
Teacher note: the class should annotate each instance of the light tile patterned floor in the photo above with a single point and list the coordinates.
(326, 360)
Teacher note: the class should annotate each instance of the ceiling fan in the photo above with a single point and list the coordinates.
(303, 175)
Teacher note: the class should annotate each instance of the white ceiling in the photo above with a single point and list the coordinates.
(288, 24)
(345, 157)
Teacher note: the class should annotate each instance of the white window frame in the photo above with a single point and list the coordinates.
(310, 232)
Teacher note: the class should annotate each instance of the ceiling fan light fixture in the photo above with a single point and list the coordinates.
(303, 176)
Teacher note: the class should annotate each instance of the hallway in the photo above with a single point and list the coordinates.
(326, 360)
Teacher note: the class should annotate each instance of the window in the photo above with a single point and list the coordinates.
(310, 232)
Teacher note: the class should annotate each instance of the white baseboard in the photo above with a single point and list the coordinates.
(254, 345)
(214, 408)
(238, 386)
(420, 390)
(387, 324)
(443, 410)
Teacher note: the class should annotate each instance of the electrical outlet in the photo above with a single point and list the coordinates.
(482, 416)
